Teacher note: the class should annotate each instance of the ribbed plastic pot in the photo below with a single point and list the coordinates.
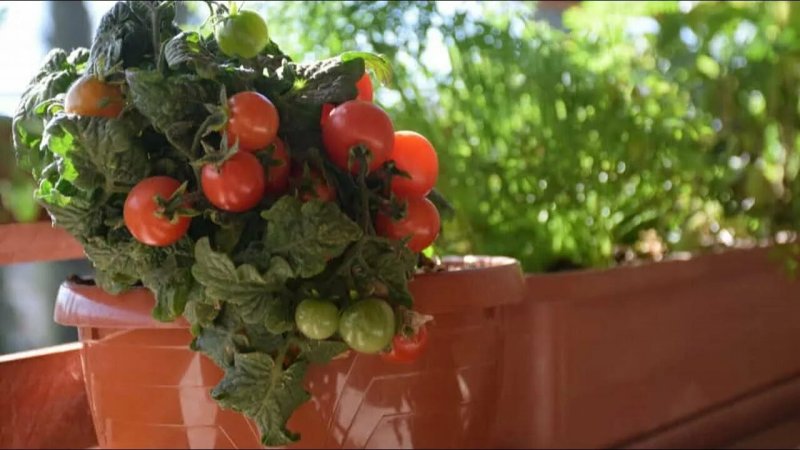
(147, 389)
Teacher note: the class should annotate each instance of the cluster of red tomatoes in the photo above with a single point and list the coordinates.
(241, 181)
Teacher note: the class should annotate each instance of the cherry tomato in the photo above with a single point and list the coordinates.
(364, 86)
(368, 325)
(142, 214)
(318, 188)
(414, 154)
(91, 97)
(278, 172)
(236, 186)
(407, 348)
(252, 121)
(358, 123)
(326, 112)
(243, 34)
(421, 223)
(317, 319)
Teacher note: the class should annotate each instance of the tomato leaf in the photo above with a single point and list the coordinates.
(175, 106)
(389, 262)
(308, 234)
(320, 352)
(188, 48)
(377, 63)
(124, 37)
(240, 285)
(120, 261)
(55, 76)
(102, 152)
(331, 80)
(258, 387)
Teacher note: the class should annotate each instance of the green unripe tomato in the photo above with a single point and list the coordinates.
(243, 34)
(367, 326)
(317, 319)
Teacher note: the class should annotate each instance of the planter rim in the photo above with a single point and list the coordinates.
(479, 282)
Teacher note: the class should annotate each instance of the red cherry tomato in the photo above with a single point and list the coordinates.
(278, 172)
(142, 214)
(317, 189)
(90, 97)
(358, 123)
(421, 223)
(326, 112)
(236, 186)
(252, 121)
(414, 154)
(406, 349)
(364, 86)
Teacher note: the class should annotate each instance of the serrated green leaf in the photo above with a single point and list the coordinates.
(237, 285)
(187, 48)
(55, 76)
(320, 352)
(258, 387)
(379, 64)
(308, 234)
(103, 152)
(124, 37)
(174, 105)
(391, 263)
(328, 81)
(279, 317)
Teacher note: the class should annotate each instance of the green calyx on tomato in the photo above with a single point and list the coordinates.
(421, 224)
(407, 348)
(411, 338)
(317, 319)
(152, 211)
(241, 34)
(277, 166)
(367, 326)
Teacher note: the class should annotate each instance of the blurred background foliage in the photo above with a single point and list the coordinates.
(635, 130)
(643, 127)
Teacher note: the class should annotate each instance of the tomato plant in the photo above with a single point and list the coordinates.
(242, 33)
(236, 185)
(317, 319)
(90, 97)
(146, 219)
(421, 223)
(277, 179)
(364, 86)
(407, 347)
(367, 326)
(252, 121)
(356, 123)
(413, 153)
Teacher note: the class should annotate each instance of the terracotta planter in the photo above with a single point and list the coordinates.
(673, 354)
(147, 389)
(679, 354)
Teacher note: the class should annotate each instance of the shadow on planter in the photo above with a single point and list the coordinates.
(580, 359)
